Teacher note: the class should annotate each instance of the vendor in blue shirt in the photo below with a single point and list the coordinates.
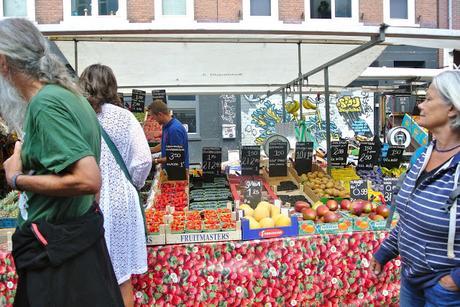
(173, 133)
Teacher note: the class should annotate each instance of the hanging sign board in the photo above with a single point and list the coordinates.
(212, 160)
(137, 101)
(303, 157)
(359, 189)
(277, 159)
(394, 157)
(250, 160)
(175, 162)
(368, 156)
(339, 153)
(159, 94)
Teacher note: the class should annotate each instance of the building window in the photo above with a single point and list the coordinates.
(185, 109)
(260, 8)
(17, 8)
(85, 7)
(399, 12)
(174, 7)
(327, 9)
(398, 9)
(261, 11)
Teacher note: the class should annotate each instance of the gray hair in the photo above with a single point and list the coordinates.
(447, 84)
(27, 51)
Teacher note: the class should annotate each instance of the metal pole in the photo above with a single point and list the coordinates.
(283, 98)
(328, 118)
(75, 51)
(299, 50)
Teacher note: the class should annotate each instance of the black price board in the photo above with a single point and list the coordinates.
(250, 160)
(277, 159)
(137, 101)
(359, 189)
(389, 184)
(303, 157)
(212, 160)
(394, 157)
(368, 156)
(159, 94)
(175, 162)
(252, 192)
(339, 153)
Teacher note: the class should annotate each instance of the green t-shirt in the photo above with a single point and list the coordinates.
(60, 128)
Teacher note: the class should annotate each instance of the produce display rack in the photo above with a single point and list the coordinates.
(265, 233)
(203, 236)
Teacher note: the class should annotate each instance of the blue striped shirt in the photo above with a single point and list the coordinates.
(421, 235)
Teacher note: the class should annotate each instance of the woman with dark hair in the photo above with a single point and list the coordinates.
(427, 236)
(125, 150)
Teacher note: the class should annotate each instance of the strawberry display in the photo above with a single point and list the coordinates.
(154, 219)
(172, 194)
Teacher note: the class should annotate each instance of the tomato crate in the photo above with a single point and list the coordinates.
(265, 233)
(158, 238)
(364, 223)
(343, 225)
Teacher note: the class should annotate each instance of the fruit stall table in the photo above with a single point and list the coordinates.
(310, 270)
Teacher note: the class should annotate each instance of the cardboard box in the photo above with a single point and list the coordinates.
(345, 224)
(265, 233)
(364, 223)
(157, 238)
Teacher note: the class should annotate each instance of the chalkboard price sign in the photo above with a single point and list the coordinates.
(368, 156)
(339, 153)
(303, 157)
(389, 185)
(277, 159)
(250, 160)
(212, 160)
(252, 192)
(159, 94)
(394, 157)
(175, 162)
(137, 101)
(359, 189)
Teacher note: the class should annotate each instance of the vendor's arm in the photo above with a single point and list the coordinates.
(156, 148)
(80, 178)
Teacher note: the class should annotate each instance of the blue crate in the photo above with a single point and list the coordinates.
(265, 233)
(8, 222)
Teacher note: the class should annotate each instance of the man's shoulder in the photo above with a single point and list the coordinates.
(53, 96)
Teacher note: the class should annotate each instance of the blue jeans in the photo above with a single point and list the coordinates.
(433, 296)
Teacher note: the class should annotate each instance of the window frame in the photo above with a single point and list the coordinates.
(187, 18)
(409, 22)
(186, 105)
(354, 19)
(30, 4)
(90, 20)
(274, 13)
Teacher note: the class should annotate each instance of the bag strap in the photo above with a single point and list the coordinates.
(116, 154)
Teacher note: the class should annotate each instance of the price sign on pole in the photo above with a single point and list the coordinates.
(137, 101)
(359, 189)
(250, 160)
(388, 188)
(394, 157)
(252, 192)
(303, 157)
(175, 162)
(277, 159)
(212, 160)
(339, 153)
(368, 156)
(159, 94)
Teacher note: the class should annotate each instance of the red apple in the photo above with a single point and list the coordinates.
(308, 214)
(357, 207)
(332, 204)
(300, 205)
(331, 217)
(367, 207)
(345, 204)
(378, 217)
(322, 210)
(374, 207)
(383, 210)
(372, 215)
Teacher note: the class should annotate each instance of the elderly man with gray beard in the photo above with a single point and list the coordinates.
(58, 247)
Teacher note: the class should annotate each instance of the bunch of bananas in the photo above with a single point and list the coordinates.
(292, 107)
(393, 172)
(307, 104)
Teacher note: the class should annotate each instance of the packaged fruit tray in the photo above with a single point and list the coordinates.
(366, 222)
(204, 205)
(344, 224)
